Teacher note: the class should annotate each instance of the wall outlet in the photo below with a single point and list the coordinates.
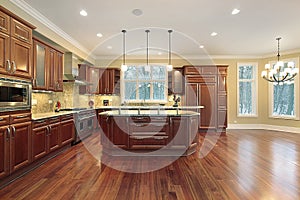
(50, 101)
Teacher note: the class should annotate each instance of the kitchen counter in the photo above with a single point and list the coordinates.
(149, 107)
(39, 116)
(149, 113)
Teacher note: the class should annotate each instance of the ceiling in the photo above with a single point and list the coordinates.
(252, 32)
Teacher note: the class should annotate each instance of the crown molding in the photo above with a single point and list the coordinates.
(281, 53)
(50, 25)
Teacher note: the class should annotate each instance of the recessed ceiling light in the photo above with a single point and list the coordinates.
(235, 11)
(83, 13)
(99, 35)
(214, 34)
(109, 47)
(201, 46)
(137, 12)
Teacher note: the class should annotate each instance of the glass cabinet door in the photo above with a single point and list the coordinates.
(40, 61)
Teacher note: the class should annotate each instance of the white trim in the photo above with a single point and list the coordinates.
(264, 127)
(46, 22)
(255, 93)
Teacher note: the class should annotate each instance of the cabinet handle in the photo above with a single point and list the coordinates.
(13, 131)
(49, 129)
(160, 137)
(1, 119)
(40, 121)
(22, 38)
(8, 65)
(21, 116)
(8, 133)
(140, 125)
(14, 67)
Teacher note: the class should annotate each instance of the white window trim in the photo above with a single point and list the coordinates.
(296, 93)
(122, 87)
(255, 94)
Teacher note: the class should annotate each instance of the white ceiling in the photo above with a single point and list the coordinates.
(252, 32)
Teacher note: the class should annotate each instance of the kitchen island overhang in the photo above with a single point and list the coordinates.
(149, 132)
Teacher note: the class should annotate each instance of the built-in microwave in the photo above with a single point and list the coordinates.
(15, 94)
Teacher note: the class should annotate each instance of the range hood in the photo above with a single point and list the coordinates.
(71, 69)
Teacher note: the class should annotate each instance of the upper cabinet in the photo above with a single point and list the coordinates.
(176, 81)
(15, 45)
(109, 81)
(47, 67)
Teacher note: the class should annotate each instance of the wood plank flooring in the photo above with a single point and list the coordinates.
(245, 164)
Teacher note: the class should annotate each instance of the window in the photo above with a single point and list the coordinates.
(247, 89)
(145, 85)
(284, 97)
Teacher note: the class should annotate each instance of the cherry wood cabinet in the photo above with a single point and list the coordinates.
(15, 45)
(15, 142)
(90, 75)
(67, 131)
(109, 81)
(206, 86)
(47, 67)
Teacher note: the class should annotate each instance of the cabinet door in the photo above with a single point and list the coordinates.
(67, 133)
(50, 71)
(119, 131)
(53, 137)
(39, 66)
(4, 53)
(4, 151)
(192, 98)
(39, 142)
(20, 145)
(21, 58)
(110, 81)
(102, 81)
(21, 31)
(179, 127)
(176, 81)
(4, 23)
(93, 78)
(207, 98)
(59, 72)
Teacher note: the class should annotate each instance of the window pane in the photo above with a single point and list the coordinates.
(245, 98)
(245, 72)
(283, 99)
(130, 73)
(144, 90)
(158, 91)
(158, 73)
(130, 90)
(143, 74)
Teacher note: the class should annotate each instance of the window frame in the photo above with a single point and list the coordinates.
(151, 81)
(254, 92)
(296, 93)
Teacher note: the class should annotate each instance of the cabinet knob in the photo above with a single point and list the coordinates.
(8, 66)
(8, 133)
(14, 67)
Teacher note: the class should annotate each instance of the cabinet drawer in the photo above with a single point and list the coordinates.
(39, 123)
(191, 70)
(66, 117)
(196, 70)
(4, 120)
(4, 23)
(17, 118)
(201, 79)
(148, 140)
(152, 127)
(54, 120)
(144, 119)
(21, 31)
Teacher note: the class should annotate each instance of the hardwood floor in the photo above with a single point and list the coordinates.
(245, 164)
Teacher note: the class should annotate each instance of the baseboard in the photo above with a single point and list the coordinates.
(264, 127)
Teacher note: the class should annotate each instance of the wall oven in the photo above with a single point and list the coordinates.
(15, 94)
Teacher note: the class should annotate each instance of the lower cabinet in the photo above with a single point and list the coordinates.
(67, 131)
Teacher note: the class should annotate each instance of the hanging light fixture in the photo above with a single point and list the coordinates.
(169, 66)
(147, 67)
(124, 66)
(278, 73)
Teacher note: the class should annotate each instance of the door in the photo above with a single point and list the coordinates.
(59, 72)
(4, 151)
(4, 53)
(39, 66)
(50, 71)
(53, 137)
(21, 56)
(20, 145)
(110, 81)
(93, 78)
(67, 132)
(39, 142)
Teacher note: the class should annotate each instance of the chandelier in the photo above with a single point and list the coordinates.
(280, 73)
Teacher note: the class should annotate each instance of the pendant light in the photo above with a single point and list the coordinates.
(147, 67)
(169, 66)
(124, 66)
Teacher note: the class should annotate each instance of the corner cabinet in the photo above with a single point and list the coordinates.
(206, 86)
(15, 45)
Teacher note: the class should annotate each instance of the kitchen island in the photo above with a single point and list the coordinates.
(149, 131)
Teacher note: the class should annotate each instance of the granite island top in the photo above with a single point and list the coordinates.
(150, 113)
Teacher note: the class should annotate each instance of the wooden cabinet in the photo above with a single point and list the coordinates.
(15, 142)
(206, 86)
(67, 131)
(45, 137)
(109, 81)
(15, 45)
(90, 75)
(47, 67)
(176, 81)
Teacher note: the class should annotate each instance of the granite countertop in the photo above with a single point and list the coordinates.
(149, 107)
(39, 116)
(150, 113)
